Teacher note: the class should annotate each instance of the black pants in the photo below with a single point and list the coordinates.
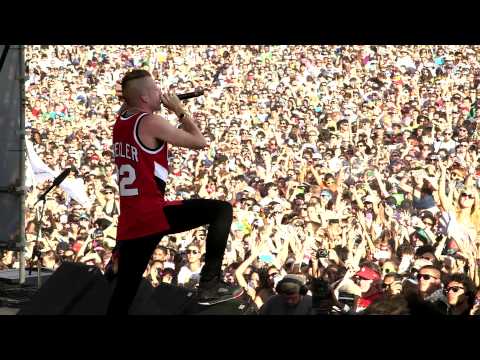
(134, 255)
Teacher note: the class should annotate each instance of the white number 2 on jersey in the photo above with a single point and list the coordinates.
(127, 180)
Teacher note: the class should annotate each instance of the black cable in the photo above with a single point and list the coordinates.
(4, 56)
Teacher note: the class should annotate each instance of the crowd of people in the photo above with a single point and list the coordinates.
(353, 170)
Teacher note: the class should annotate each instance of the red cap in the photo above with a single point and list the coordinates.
(453, 245)
(367, 273)
(76, 247)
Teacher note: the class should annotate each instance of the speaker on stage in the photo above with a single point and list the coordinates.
(73, 289)
(78, 289)
(165, 299)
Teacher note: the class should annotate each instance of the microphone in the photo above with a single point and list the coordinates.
(58, 180)
(190, 95)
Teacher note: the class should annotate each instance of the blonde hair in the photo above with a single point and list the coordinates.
(474, 212)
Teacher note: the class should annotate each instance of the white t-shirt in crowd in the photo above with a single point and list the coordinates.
(449, 145)
(185, 275)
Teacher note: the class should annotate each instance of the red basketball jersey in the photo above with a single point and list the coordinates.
(142, 177)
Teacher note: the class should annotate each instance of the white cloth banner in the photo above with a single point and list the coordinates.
(41, 172)
(75, 188)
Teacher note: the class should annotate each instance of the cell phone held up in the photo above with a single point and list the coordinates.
(322, 253)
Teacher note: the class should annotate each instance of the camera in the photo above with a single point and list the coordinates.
(322, 253)
(358, 239)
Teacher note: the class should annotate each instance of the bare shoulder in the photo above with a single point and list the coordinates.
(153, 118)
(154, 121)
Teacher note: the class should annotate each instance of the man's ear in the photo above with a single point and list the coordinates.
(143, 98)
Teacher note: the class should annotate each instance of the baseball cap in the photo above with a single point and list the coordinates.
(290, 284)
(419, 263)
(84, 217)
(368, 273)
(326, 192)
(77, 246)
(63, 246)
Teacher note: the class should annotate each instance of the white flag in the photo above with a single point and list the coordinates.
(75, 188)
(41, 172)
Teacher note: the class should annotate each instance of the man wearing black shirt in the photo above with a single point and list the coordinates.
(290, 300)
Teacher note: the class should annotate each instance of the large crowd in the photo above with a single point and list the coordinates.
(353, 170)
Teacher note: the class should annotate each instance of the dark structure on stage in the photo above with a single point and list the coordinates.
(77, 289)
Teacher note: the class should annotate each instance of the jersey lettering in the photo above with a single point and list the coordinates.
(127, 180)
(126, 151)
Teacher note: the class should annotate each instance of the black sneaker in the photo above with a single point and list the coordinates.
(216, 291)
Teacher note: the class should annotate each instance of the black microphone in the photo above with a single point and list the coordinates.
(58, 180)
(190, 95)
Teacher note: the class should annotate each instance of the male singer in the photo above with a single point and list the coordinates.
(140, 139)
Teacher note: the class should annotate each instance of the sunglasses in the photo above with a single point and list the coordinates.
(425, 277)
(194, 252)
(358, 279)
(470, 196)
(454, 289)
(385, 286)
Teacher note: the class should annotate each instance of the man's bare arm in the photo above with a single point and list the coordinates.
(158, 127)
(189, 135)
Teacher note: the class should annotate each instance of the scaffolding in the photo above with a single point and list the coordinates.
(12, 151)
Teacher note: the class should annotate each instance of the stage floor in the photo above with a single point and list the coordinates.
(8, 311)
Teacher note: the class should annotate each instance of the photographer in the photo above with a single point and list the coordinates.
(291, 298)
